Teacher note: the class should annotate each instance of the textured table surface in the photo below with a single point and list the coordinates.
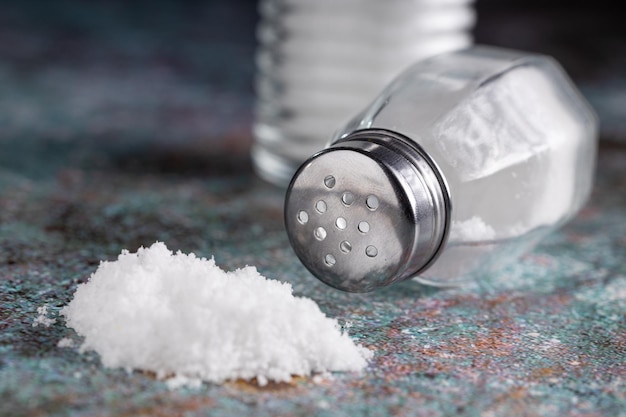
(121, 136)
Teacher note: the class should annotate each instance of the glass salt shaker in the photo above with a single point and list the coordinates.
(459, 166)
(320, 61)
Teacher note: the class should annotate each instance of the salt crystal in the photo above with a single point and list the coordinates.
(42, 318)
(318, 379)
(179, 381)
(473, 229)
(182, 316)
(66, 342)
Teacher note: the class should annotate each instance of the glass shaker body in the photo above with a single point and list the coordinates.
(318, 62)
(513, 139)
(464, 162)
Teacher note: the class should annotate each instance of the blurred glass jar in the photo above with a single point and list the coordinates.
(464, 162)
(319, 61)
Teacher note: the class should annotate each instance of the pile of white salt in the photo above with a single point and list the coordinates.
(185, 319)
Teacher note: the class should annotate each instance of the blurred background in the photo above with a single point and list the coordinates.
(125, 122)
(177, 76)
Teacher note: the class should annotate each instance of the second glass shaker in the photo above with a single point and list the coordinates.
(320, 61)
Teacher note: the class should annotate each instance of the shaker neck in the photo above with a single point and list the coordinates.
(426, 191)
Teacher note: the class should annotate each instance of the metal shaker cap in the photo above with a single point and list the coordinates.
(369, 210)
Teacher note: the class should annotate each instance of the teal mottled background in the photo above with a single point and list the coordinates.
(123, 123)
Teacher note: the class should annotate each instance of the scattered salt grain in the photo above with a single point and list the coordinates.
(182, 316)
(42, 318)
(66, 342)
(321, 378)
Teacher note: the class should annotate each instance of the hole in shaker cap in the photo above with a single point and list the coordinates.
(347, 198)
(329, 260)
(319, 233)
(320, 206)
(303, 217)
(330, 181)
(345, 246)
(363, 227)
(372, 202)
(371, 251)
(341, 223)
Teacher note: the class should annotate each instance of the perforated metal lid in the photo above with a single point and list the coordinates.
(368, 211)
